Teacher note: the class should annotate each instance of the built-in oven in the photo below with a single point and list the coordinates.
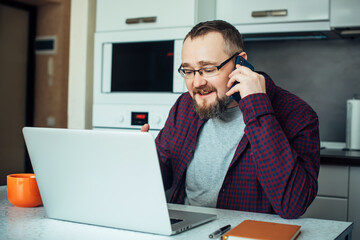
(135, 77)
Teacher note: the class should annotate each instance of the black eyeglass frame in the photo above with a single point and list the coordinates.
(180, 70)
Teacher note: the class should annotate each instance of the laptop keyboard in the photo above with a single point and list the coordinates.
(175, 220)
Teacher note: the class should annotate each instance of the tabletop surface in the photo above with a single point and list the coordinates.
(31, 223)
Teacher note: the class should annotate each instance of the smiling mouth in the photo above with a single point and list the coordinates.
(202, 92)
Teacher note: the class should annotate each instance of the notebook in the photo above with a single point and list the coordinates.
(260, 230)
(106, 178)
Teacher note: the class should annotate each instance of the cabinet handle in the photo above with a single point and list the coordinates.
(272, 13)
(278, 13)
(149, 19)
(140, 20)
(132, 20)
(259, 14)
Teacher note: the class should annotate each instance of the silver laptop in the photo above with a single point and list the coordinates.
(107, 178)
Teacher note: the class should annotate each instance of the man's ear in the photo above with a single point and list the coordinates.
(243, 54)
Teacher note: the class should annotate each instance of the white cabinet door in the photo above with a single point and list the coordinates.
(265, 11)
(345, 13)
(116, 15)
(328, 208)
(333, 181)
(332, 199)
(354, 200)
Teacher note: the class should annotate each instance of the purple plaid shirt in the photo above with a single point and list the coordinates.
(275, 166)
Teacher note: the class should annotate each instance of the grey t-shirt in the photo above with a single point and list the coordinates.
(214, 151)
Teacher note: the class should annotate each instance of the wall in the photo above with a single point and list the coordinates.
(51, 92)
(325, 73)
(13, 67)
(50, 103)
(81, 64)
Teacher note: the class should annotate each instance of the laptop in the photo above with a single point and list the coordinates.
(106, 178)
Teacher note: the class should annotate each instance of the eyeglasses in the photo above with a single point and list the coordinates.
(206, 71)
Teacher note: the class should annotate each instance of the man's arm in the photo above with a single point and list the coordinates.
(162, 149)
(287, 163)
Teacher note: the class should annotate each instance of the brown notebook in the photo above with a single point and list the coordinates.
(251, 229)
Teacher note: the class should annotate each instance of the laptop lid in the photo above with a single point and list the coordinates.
(107, 178)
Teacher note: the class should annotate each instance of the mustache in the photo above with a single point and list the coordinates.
(204, 89)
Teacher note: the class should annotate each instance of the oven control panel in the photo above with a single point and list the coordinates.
(139, 118)
(130, 116)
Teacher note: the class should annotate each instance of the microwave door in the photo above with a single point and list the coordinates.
(135, 67)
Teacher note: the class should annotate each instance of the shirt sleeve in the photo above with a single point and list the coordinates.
(167, 141)
(162, 144)
(286, 153)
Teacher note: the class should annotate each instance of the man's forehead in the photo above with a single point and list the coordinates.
(197, 52)
(210, 36)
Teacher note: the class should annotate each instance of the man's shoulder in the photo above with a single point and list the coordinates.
(284, 100)
(292, 112)
(287, 101)
(185, 98)
(184, 102)
(287, 106)
(183, 107)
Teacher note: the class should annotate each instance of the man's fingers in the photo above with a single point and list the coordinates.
(145, 127)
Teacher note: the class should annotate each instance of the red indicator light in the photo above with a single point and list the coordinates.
(170, 54)
(140, 116)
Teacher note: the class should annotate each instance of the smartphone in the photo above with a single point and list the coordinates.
(241, 61)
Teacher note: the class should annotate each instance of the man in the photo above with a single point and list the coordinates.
(260, 154)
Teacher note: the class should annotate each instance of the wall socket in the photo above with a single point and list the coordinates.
(50, 121)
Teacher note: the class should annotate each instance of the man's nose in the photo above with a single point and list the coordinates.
(199, 80)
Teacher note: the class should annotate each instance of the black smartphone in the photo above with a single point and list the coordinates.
(243, 62)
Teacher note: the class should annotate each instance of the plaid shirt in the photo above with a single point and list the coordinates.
(275, 166)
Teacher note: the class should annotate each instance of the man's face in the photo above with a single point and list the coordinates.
(208, 93)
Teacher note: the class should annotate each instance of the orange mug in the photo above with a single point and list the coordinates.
(22, 190)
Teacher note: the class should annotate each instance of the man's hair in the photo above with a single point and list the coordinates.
(232, 37)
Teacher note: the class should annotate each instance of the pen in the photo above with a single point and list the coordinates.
(220, 231)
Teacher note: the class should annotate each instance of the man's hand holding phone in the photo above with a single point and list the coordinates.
(245, 81)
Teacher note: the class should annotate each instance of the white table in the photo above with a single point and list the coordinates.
(31, 223)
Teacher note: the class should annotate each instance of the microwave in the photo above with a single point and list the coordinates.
(135, 77)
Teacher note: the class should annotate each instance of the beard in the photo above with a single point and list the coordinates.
(214, 110)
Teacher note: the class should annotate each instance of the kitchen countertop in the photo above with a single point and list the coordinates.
(31, 223)
(340, 157)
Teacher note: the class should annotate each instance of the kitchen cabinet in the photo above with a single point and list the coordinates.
(354, 200)
(275, 11)
(118, 15)
(332, 194)
(328, 208)
(333, 181)
(344, 13)
(339, 192)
